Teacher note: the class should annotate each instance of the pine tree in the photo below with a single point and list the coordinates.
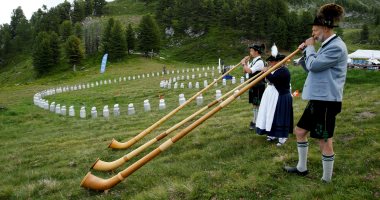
(45, 52)
(98, 7)
(74, 50)
(5, 40)
(149, 37)
(65, 30)
(130, 38)
(63, 10)
(55, 47)
(377, 19)
(364, 34)
(305, 28)
(107, 35)
(89, 9)
(78, 30)
(17, 18)
(78, 13)
(117, 42)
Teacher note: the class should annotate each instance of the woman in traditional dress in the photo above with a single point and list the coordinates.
(275, 117)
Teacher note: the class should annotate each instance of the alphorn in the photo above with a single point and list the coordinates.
(124, 145)
(93, 182)
(100, 165)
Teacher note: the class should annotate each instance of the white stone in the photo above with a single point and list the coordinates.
(82, 112)
(205, 83)
(58, 109)
(116, 110)
(190, 85)
(63, 110)
(175, 85)
(182, 85)
(94, 112)
(197, 85)
(181, 99)
(242, 79)
(71, 111)
(106, 112)
(146, 105)
(52, 107)
(131, 109)
(162, 104)
(199, 100)
(233, 80)
(218, 94)
(224, 82)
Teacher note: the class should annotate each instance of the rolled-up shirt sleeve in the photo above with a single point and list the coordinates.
(257, 66)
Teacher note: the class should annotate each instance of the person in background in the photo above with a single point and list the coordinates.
(275, 118)
(253, 68)
(326, 75)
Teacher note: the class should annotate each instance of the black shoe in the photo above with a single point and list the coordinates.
(252, 126)
(324, 181)
(294, 170)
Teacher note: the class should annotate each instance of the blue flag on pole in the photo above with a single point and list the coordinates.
(103, 65)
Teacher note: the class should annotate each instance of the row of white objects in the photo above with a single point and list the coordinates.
(62, 110)
(41, 102)
(106, 82)
(168, 83)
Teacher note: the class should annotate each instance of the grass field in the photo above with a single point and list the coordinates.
(45, 156)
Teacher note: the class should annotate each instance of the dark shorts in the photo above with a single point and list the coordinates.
(319, 118)
(255, 94)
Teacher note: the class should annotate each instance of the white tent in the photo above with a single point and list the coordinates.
(365, 54)
(374, 61)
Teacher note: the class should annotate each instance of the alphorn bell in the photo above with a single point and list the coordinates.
(93, 182)
(124, 145)
(100, 165)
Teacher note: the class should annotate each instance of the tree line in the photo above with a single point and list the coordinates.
(261, 20)
(69, 32)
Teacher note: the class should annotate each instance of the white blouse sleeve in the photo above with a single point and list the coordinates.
(258, 66)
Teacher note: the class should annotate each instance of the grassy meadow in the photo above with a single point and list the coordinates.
(45, 156)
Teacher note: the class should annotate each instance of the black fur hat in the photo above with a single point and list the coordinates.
(329, 15)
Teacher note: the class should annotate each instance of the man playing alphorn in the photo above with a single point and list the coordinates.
(323, 88)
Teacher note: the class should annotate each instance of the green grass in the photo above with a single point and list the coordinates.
(45, 156)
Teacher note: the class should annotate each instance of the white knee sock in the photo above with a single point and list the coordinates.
(302, 148)
(328, 165)
(255, 112)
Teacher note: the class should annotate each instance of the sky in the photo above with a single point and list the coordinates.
(28, 6)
